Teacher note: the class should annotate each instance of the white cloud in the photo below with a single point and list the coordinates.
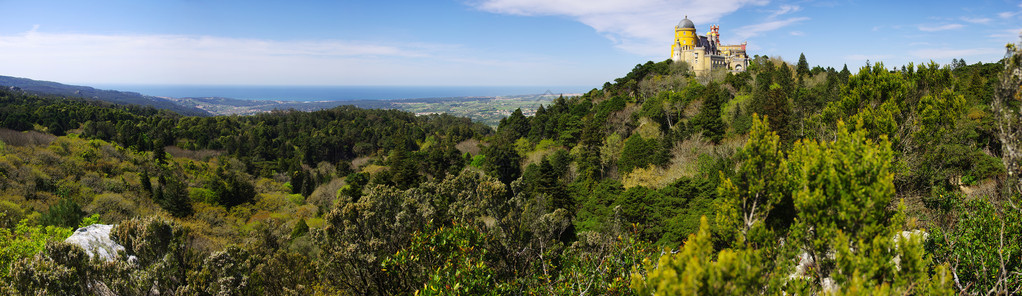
(945, 53)
(1007, 34)
(639, 26)
(179, 59)
(946, 27)
(750, 31)
(1007, 14)
(978, 20)
(784, 9)
(797, 33)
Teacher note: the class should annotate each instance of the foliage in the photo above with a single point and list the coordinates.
(982, 247)
(10, 214)
(568, 201)
(60, 269)
(756, 196)
(695, 269)
(65, 213)
(448, 260)
(1006, 109)
(24, 241)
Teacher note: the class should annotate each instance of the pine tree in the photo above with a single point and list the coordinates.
(147, 184)
(173, 196)
(803, 67)
(502, 160)
(845, 74)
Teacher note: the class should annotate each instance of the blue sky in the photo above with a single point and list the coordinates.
(466, 42)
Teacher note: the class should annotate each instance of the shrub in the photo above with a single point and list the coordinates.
(65, 213)
(10, 214)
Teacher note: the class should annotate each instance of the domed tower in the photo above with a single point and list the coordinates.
(684, 37)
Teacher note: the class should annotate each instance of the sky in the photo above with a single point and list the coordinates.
(467, 42)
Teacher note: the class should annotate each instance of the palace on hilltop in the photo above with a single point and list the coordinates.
(706, 53)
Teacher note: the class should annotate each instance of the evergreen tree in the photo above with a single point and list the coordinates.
(404, 169)
(502, 160)
(147, 185)
(758, 195)
(709, 114)
(172, 195)
(517, 125)
(803, 67)
(300, 229)
(550, 184)
(232, 189)
(159, 155)
(636, 153)
(845, 74)
(66, 213)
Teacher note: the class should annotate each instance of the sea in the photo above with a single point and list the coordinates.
(338, 93)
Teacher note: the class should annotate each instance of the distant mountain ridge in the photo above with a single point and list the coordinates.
(112, 96)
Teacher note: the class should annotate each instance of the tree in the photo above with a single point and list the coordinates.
(549, 183)
(802, 69)
(981, 246)
(404, 169)
(844, 227)
(758, 193)
(516, 125)
(697, 270)
(356, 240)
(636, 153)
(163, 252)
(175, 198)
(10, 214)
(502, 160)
(147, 184)
(66, 213)
(1006, 108)
(611, 150)
(709, 114)
(843, 198)
(60, 269)
(300, 229)
(225, 272)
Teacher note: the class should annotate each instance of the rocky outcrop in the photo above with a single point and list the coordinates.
(95, 239)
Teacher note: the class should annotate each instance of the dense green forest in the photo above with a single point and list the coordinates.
(783, 179)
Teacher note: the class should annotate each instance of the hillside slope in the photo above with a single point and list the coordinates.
(118, 97)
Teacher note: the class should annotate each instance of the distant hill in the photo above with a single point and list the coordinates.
(112, 96)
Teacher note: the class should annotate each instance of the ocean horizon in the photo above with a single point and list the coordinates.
(337, 93)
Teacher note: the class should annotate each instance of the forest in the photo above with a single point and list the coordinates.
(785, 179)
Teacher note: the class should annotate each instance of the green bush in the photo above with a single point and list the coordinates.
(985, 166)
(65, 213)
(202, 195)
(983, 233)
(10, 214)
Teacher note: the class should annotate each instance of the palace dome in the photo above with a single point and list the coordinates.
(686, 24)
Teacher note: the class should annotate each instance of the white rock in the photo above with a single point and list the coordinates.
(95, 239)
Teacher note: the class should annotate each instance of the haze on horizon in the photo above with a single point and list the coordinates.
(467, 43)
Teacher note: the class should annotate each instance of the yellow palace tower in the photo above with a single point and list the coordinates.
(705, 53)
